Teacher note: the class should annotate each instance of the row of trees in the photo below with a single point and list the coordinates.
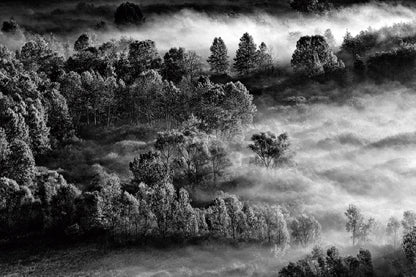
(330, 264)
(152, 212)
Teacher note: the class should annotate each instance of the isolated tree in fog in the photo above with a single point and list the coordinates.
(219, 56)
(245, 60)
(82, 43)
(264, 58)
(270, 149)
(408, 221)
(393, 226)
(355, 220)
(409, 245)
(314, 57)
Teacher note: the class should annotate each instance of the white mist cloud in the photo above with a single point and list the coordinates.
(195, 31)
(362, 153)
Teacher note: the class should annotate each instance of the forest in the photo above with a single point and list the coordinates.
(306, 156)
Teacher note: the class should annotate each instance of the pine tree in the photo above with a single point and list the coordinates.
(219, 56)
(264, 58)
(245, 60)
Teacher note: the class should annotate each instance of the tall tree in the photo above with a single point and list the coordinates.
(245, 60)
(393, 226)
(218, 59)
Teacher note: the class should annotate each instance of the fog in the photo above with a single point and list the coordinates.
(361, 152)
(195, 30)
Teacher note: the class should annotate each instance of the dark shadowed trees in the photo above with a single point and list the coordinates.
(82, 43)
(128, 13)
(409, 245)
(314, 57)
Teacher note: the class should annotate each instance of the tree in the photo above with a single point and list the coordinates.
(168, 144)
(264, 58)
(192, 64)
(219, 160)
(63, 206)
(21, 163)
(245, 60)
(83, 42)
(393, 226)
(143, 56)
(4, 153)
(39, 132)
(355, 220)
(237, 217)
(329, 37)
(270, 149)
(409, 245)
(305, 229)
(314, 57)
(149, 169)
(10, 26)
(408, 221)
(173, 68)
(357, 225)
(128, 13)
(308, 6)
(185, 216)
(218, 59)
(276, 226)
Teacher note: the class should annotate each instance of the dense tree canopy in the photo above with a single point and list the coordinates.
(314, 57)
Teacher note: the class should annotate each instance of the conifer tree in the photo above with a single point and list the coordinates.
(264, 59)
(219, 56)
(245, 60)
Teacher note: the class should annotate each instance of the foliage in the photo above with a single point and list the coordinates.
(82, 43)
(218, 59)
(357, 225)
(245, 59)
(409, 245)
(305, 230)
(310, 6)
(128, 13)
(314, 57)
(332, 264)
(271, 150)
